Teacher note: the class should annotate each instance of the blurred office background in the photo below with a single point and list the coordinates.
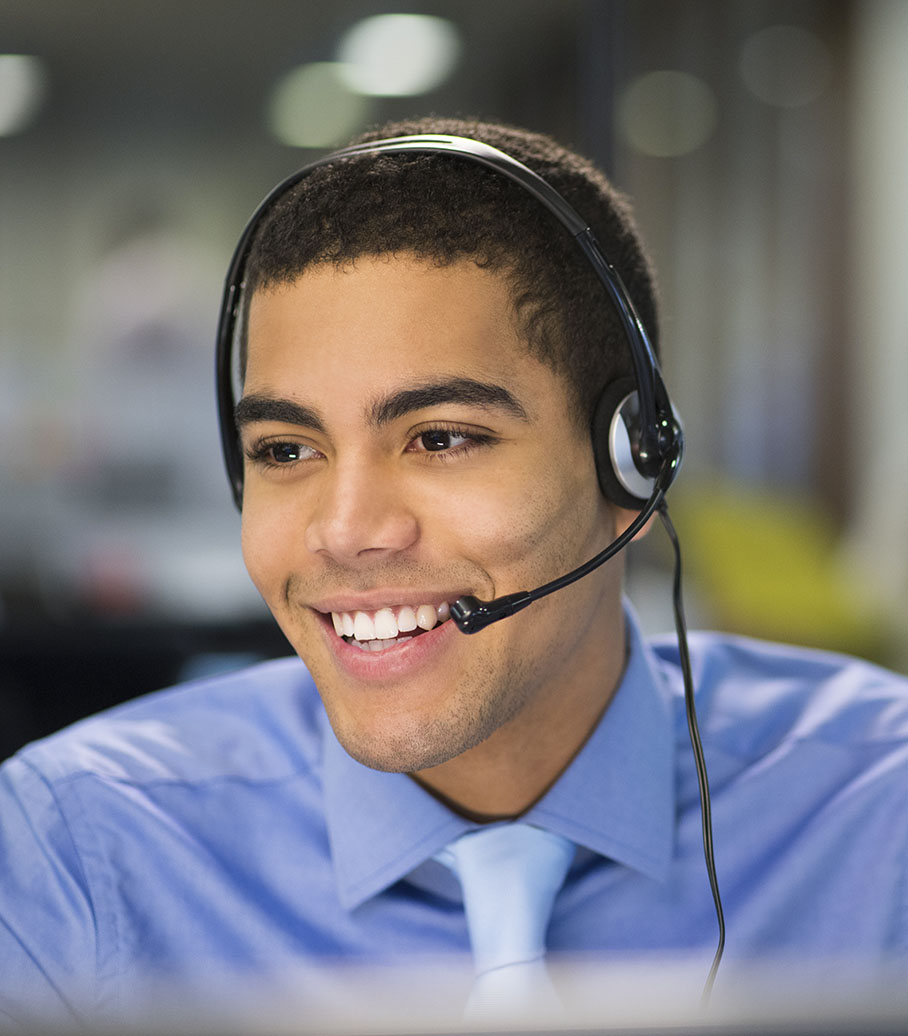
(763, 142)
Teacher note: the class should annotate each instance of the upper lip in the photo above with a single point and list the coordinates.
(374, 599)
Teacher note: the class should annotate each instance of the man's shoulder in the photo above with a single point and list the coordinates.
(760, 692)
(260, 722)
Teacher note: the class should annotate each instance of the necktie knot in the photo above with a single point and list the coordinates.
(510, 875)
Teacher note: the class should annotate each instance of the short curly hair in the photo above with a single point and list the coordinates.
(443, 209)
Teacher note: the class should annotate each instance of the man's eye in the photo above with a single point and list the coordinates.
(440, 439)
(286, 452)
(279, 454)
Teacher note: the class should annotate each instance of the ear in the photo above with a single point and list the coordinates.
(624, 517)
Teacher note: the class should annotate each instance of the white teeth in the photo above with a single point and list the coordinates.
(406, 619)
(363, 626)
(426, 616)
(385, 624)
(374, 645)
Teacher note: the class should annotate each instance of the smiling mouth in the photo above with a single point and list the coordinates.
(386, 627)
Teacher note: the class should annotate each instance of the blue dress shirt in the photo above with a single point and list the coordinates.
(217, 833)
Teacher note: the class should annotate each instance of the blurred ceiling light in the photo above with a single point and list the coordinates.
(667, 114)
(785, 66)
(311, 106)
(23, 85)
(399, 55)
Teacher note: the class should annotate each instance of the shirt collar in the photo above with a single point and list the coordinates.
(616, 798)
(380, 825)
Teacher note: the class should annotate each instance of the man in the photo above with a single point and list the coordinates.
(423, 350)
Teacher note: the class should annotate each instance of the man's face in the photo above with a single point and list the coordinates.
(404, 449)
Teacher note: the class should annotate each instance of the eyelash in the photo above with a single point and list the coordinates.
(475, 440)
(261, 452)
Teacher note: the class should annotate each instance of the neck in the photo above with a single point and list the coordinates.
(509, 772)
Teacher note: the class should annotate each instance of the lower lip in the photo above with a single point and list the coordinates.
(391, 663)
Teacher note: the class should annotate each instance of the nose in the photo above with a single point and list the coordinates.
(359, 514)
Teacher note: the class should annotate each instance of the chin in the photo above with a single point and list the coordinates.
(391, 758)
(409, 742)
(399, 747)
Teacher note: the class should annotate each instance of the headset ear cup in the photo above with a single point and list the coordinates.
(614, 428)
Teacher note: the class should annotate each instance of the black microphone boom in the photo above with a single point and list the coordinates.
(473, 615)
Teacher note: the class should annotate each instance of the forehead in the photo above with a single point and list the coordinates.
(369, 325)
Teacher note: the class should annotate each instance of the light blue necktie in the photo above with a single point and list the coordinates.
(510, 875)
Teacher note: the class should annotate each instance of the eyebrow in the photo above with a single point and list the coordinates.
(452, 390)
(268, 408)
(388, 408)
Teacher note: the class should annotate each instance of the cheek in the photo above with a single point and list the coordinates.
(543, 522)
(266, 545)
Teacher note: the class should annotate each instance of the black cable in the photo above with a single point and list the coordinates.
(697, 746)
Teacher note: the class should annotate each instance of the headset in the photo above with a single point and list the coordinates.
(636, 433)
(637, 437)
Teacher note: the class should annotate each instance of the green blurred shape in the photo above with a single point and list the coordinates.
(769, 565)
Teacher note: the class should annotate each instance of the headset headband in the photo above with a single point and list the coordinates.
(656, 438)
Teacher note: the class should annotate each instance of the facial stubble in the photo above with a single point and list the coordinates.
(486, 697)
